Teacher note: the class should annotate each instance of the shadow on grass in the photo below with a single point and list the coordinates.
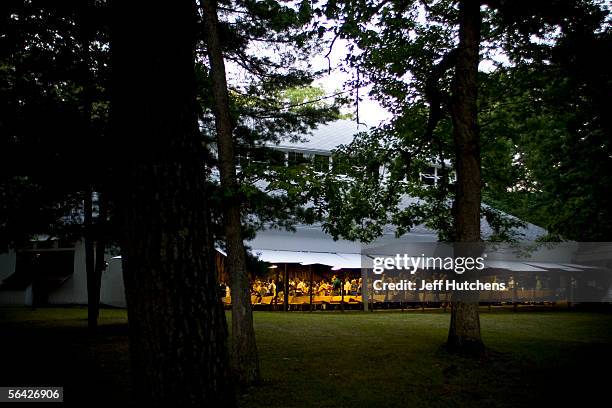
(92, 368)
(338, 359)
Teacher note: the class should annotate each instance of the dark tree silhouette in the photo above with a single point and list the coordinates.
(245, 361)
(178, 331)
(464, 330)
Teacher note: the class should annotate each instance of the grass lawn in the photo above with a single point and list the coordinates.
(333, 359)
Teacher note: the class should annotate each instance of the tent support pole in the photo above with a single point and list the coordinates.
(310, 286)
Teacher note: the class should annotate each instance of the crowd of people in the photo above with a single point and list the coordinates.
(301, 287)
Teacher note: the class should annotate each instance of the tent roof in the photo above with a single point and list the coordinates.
(325, 138)
(333, 259)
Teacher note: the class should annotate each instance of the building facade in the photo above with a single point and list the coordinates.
(53, 272)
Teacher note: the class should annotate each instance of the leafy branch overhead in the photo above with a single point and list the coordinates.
(406, 52)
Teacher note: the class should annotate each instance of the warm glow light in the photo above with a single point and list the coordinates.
(272, 267)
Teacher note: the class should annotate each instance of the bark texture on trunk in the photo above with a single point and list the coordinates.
(464, 332)
(244, 356)
(178, 333)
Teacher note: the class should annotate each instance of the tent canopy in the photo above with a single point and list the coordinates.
(344, 260)
(334, 259)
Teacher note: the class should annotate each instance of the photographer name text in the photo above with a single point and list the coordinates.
(438, 285)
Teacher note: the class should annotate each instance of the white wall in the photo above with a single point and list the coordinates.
(7, 264)
(7, 268)
(73, 290)
(112, 291)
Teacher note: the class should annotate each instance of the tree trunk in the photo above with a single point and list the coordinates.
(464, 332)
(92, 314)
(93, 291)
(178, 333)
(245, 360)
(100, 263)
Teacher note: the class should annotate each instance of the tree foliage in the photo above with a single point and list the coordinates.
(549, 120)
(534, 88)
(54, 119)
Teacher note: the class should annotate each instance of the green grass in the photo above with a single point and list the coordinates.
(351, 359)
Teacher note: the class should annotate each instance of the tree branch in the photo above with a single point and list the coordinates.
(434, 94)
